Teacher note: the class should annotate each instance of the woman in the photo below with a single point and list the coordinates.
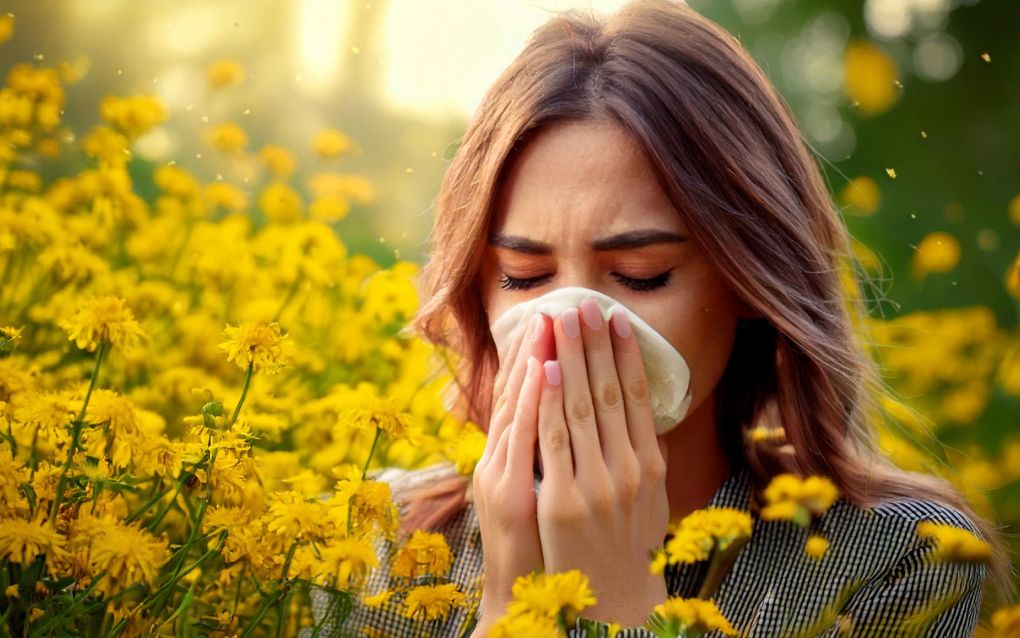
(645, 155)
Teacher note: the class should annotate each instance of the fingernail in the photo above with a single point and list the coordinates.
(620, 320)
(536, 327)
(592, 314)
(552, 372)
(532, 362)
(571, 325)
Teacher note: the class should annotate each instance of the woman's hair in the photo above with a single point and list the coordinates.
(728, 153)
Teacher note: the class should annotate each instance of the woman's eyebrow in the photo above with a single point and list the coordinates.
(623, 241)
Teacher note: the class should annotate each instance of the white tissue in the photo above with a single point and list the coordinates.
(669, 377)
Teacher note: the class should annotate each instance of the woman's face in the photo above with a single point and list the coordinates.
(580, 206)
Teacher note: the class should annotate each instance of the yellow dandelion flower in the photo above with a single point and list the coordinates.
(1012, 278)
(128, 553)
(376, 601)
(530, 624)
(682, 615)
(549, 593)
(424, 553)
(281, 203)
(378, 411)
(227, 137)
(279, 160)
(466, 450)
(861, 196)
(816, 546)
(134, 115)
(22, 541)
(789, 497)
(223, 73)
(1006, 622)
(330, 143)
(260, 344)
(954, 544)
(869, 77)
(103, 319)
(937, 252)
(699, 533)
(12, 591)
(345, 561)
(6, 27)
(432, 602)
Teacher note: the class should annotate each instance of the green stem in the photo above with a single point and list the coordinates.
(244, 392)
(364, 470)
(76, 432)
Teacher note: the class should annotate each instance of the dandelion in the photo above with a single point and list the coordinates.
(227, 137)
(330, 143)
(378, 411)
(424, 553)
(347, 560)
(376, 601)
(134, 115)
(280, 161)
(259, 344)
(789, 497)
(1006, 622)
(21, 541)
(128, 554)
(223, 73)
(691, 617)
(432, 602)
(466, 450)
(551, 593)
(937, 252)
(816, 546)
(701, 533)
(531, 624)
(103, 319)
(954, 544)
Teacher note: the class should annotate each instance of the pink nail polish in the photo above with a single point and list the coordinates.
(592, 313)
(553, 374)
(571, 325)
(620, 320)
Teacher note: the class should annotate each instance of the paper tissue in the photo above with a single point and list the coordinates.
(669, 377)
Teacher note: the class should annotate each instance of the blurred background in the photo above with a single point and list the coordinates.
(911, 106)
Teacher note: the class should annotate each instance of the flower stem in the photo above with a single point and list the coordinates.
(76, 431)
(244, 392)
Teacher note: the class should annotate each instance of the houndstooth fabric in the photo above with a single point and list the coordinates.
(771, 589)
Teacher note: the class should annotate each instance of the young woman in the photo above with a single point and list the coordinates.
(645, 155)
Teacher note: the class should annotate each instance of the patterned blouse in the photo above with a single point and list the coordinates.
(772, 589)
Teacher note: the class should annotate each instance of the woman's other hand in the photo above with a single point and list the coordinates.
(603, 504)
(503, 481)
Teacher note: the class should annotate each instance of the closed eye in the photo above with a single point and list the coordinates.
(639, 285)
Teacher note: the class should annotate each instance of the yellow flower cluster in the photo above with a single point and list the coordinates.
(789, 497)
(690, 617)
(700, 534)
(542, 602)
(953, 544)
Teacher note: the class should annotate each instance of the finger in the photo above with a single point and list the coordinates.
(577, 403)
(636, 395)
(604, 384)
(520, 454)
(553, 437)
(507, 400)
(507, 364)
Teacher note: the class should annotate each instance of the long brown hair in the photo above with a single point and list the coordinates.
(728, 153)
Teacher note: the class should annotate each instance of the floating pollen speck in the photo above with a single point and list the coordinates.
(891, 172)
(986, 57)
(898, 83)
(247, 112)
(913, 215)
(355, 50)
(409, 171)
(924, 135)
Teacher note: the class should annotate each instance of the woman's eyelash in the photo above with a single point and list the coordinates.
(639, 285)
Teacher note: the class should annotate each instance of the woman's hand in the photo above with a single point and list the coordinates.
(503, 481)
(602, 506)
